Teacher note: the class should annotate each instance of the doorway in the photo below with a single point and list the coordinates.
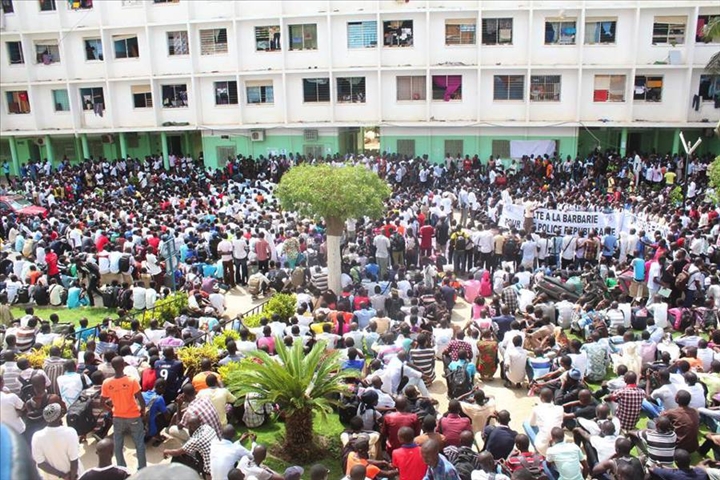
(349, 140)
(634, 142)
(175, 144)
(34, 150)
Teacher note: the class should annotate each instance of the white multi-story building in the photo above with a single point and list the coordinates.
(134, 77)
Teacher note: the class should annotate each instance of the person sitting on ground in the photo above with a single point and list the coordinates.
(105, 469)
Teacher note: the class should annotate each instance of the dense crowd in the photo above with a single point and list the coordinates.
(603, 326)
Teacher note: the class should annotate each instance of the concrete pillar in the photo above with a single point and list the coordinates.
(85, 146)
(14, 155)
(165, 152)
(623, 141)
(656, 140)
(49, 153)
(676, 142)
(123, 145)
(78, 150)
(187, 145)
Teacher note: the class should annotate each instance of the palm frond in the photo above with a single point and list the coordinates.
(713, 65)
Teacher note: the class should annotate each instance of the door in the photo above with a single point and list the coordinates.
(175, 144)
(34, 150)
(634, 142)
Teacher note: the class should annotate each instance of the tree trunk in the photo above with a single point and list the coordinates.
(335, 228)
(299, 436)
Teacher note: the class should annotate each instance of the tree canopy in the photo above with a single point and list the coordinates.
(710, 32)
(714, 174)
(334, 193)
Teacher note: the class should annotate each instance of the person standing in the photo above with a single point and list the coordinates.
(263, 252)
(128, 408)
(55, 448)
(225, 249)
(382, 253)
(240, 257)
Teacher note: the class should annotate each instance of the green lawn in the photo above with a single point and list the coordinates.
(94, 315)
(331, 428)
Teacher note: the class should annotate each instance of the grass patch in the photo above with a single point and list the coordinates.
(94, 315)
(330, 428)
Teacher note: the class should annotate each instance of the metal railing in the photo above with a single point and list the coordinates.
(228, 322)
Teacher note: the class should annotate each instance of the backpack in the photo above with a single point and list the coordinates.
(397, 243)
(465, 462)
(347, 408)
(709, 319)
(254, 286)
(80, 414)
(109, 297)
(460, 243)
(459, 382)
(23, 295)
(124, 263)
(639, 318)
(682, 279)
(511, 247)
(687, 319)
(41, 295)
(535, 468)
(297, 277)
(26, 389)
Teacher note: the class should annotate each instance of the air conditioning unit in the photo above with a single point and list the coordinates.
(257, 135)
(311, 135)
(107, 138)
(39, 141)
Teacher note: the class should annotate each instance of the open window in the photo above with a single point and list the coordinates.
(545, 88)
(174, 96)
(213, 41)
(560, 32)
(669, 30)
(47, 5)
(509, 87)
(18, 102)
(411, 88)
(15, 53)
(362, 34)
(61, 100)
(600, 31)
(80, 4)
(460, 32)
(47, 52)
(406, 147)
(648, 89)
(259, 92)
(93, 49)
(447, 87)
(709, 87)
(7, 6)
(303, 37)
(126, 46)
(703, 21)
(178, 43)
(142, 96)
(93, 99)
(398, 33)
(267, 39)
(609, 88)
(351, 90)
(497, 31)
(316, 90)
(226, 93)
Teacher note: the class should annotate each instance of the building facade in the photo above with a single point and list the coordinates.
(134, 77)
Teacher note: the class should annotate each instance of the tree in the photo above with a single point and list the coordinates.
(336, 194)
(712, 31)
(301, 385)
(714, 177)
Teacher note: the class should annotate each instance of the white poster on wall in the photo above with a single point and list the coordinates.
(537, 148)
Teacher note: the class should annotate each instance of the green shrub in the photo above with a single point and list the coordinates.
(282, 304)
(253, 321)
(166, 310)
(676, 195)
(192, 355)
(221, 340)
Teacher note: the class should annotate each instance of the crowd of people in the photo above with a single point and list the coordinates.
(603, 327)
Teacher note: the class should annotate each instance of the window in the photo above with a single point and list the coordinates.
(80, 4)
(15, 53)
(157, 2)
(47, 5)
(545, 88)
(709, 87)
(316, 90)
(313, 151)
(7, 6)
(93, 49)
(669, 30)
(497, 31)
(509, 87)
(142, 96)
(213, 41)
(47, 52)
(126, 46)
(703, 21)
(600, 31)
(460, 32)
(267, 39)
(92, 99)
(61, 100)
(560, 32)
(362, 34)
(501, 149)
(174, 96)
(178, 43)
(224, 153)
(259, 92)
(609, 88)
(454, 147)
(351, 90)
(226, 93)
(398, 33)
(648, 89)
(303, 37)
(18, 102)
(406, 148)
(411, 88)
(447, 87)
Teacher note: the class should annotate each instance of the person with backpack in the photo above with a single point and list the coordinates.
(397, 249)
(71, 383)
(35, 404)
(522, 457)
(460, 375)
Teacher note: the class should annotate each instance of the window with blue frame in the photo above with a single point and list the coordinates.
(362, 34)
(599, 32)
(560, 32)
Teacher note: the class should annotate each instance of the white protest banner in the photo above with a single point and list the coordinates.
(562, 222)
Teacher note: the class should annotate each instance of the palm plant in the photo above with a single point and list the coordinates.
(300, 384)
(710, 32)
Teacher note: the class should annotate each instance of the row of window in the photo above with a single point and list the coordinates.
(51, 5)
(543, 88)
(495, 31)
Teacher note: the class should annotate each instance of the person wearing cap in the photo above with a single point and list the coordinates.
(55, 448)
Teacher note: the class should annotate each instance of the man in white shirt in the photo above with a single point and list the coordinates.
(382, 253)
(240, 257)
(251, 465)
(55, 448)
(224, 453)
(529, 251)
(71, 383)
(139, 296)
(10, 408)
(545, 416)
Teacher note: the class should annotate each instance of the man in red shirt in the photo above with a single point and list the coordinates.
(452, 424)
(393, 422)
(408, 458)
(51, 259)
(262, 249)
(427, 232)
